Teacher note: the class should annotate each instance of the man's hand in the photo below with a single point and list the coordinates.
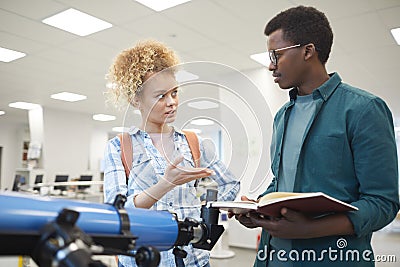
(292, 224)
(244, 219)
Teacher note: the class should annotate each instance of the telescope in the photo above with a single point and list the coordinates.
(66, 233)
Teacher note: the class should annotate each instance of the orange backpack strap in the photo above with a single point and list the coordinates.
(194, 146)
(126, 153)
(127, 150)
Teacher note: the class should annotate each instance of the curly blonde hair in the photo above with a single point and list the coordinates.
(126, 75)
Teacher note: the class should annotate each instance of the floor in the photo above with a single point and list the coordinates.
(386, 244)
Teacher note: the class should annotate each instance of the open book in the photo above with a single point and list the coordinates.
(309, 203)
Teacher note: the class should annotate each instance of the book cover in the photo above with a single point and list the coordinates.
(313, 204)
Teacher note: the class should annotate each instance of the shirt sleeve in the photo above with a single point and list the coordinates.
(114, 173)
(228, 185)
(375, 160)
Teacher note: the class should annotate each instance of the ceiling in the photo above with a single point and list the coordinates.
(224, 31)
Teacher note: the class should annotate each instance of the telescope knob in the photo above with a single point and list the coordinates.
(147, 257)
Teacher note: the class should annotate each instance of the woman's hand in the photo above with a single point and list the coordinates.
(178, 175)
(174, 175)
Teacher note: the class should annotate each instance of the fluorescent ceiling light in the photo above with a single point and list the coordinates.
(70, 97)
(24, 105)
(185, 76)
(76, 22)
(8, 55)
(159, 5)
(198, 131)
(204, 104)
(396, 34)
(120, 129)
(2, 112)
(202, 122)
(262, 58)
(103, 117)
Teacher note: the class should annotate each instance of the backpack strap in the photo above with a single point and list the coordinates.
(127, 150)
(194, 146)
(126, 153)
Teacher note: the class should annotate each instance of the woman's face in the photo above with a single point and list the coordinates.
(158, 100)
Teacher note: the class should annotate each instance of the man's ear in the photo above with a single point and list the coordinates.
(310, 51)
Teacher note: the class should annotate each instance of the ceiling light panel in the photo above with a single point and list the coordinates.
(77, 22)
(202, 122)
(103, 117)
(262, 58)
(203, 104)
(69, 97)
(396, 34)
(8, 55)
(24, 105)
(160, 5)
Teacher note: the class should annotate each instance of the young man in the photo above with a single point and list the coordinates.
(330, 137)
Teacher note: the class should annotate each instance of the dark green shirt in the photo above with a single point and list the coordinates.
(348, 152)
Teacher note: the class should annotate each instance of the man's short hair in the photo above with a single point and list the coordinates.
(304, 25)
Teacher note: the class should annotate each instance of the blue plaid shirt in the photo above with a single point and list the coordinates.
(148, 167)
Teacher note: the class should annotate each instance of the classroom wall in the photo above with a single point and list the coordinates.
(11, 136)
(67, 141)
(253, 99)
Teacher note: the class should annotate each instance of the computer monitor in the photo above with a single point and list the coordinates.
(85, 178)
(59, 179)
(38, 180)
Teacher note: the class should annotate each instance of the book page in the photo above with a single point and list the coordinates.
(275, 196)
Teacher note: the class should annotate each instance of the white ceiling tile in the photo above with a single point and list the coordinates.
(391, 17)
(256, 13)
(21, 44)
(176, 35)
(207, 18)
(339, 8)
(31, 29)
(37, 9)
(115, 12)
(116, 37)
(224, 55)
(358, 32)
(384, 4)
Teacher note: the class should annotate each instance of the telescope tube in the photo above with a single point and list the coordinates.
(21, 213)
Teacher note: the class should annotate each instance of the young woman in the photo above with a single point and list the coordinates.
(163, 176)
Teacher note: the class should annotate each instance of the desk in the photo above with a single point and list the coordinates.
(74, 194)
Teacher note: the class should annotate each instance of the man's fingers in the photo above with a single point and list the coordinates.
(292, 215)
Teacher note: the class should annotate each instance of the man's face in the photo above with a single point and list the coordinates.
(289, 61)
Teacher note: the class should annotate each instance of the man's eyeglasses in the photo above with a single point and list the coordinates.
(274, 57)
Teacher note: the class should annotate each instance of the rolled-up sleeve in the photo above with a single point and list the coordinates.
(114, 173)
(375, 160)
(228, 185)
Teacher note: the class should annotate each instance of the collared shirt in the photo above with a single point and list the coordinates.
(148, 168)
(348, 152)
(299, 118)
